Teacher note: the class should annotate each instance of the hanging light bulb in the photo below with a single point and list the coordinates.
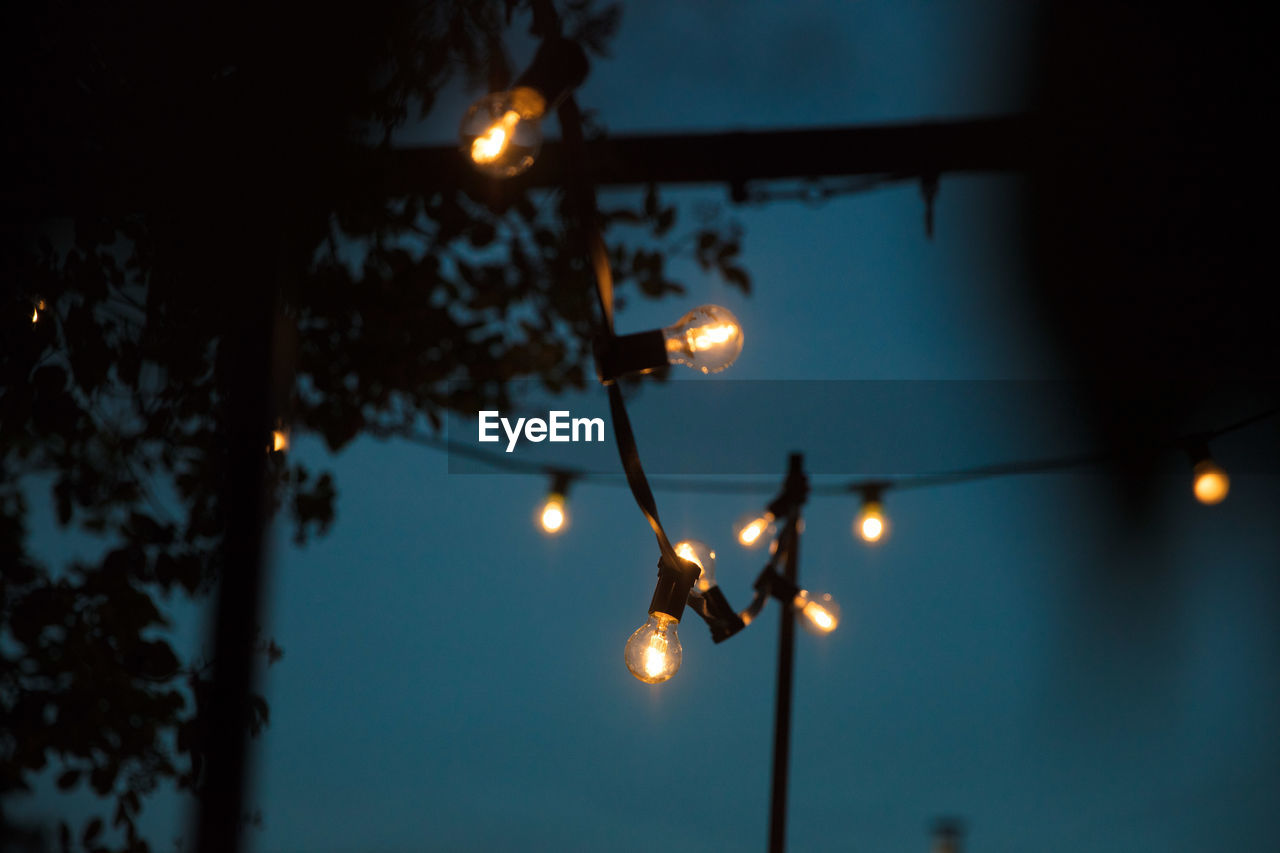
(1210, 482)
(35, 311)
(501, 133)
(279, 440)
(1208, 479)
(821, 613)
(553, 515)
(701, 555)
(871, 524)
(753, 530)
(653, 653)
(708, 339)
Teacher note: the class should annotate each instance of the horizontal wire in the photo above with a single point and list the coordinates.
(686, 484)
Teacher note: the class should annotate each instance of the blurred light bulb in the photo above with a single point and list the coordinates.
(701, 555)
(35, 312)
(708, 339)
(1211, 482)
(870, 523)
(501, 132)
(821, 613)
(279, 440)
(553, 515)
(653, 652)
(752, 530)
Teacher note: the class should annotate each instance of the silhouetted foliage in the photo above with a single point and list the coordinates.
(176, 167)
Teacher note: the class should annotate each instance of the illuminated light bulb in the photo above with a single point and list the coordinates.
(753, 530)
(701, 555)
(279, 440)
(35, 312)
(502, 133)
(708, 339)
(821, 613)
(870, 523)
(653, 652)
(1210, 483)
(553, 517)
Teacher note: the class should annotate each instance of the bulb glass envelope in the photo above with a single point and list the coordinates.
(502, 132)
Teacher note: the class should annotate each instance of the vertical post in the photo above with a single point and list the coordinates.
(225, 747)
(786, 653)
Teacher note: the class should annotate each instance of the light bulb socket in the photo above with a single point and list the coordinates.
(560, 481)
(676, 577)
(715, 610)
(1198, 451)
(559, 67)
(773, 584)
(872, 493)
(618, 355)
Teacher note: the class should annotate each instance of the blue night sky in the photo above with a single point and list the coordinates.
(994, 661)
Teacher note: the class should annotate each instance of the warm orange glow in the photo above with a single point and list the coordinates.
(819, 617)
(750, 533)
(870, 524)
(279, 440)
(714, 335)
(35, 312)
(553, 515)
(655, 656)
(1211, 482)
(489, 146)
(653, 652)
(685, 551)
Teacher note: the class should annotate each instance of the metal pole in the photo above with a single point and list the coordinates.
(786, 654)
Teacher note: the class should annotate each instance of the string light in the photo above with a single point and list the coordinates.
(752, 530)
(708, 339)
(553, 515)
(821, 613)
(502, 132)
(1209, 481)
(871, 524)
(653, 652)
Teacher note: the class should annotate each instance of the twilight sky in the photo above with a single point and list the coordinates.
(994, 662)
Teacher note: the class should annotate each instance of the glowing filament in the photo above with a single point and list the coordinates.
(819, 617)
(870, 523)
(35, 312)
(685, 551)
(706, 337)
(655, 656)
(489, 146)
(752, 531)
(1211, 483)
(553, 515)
